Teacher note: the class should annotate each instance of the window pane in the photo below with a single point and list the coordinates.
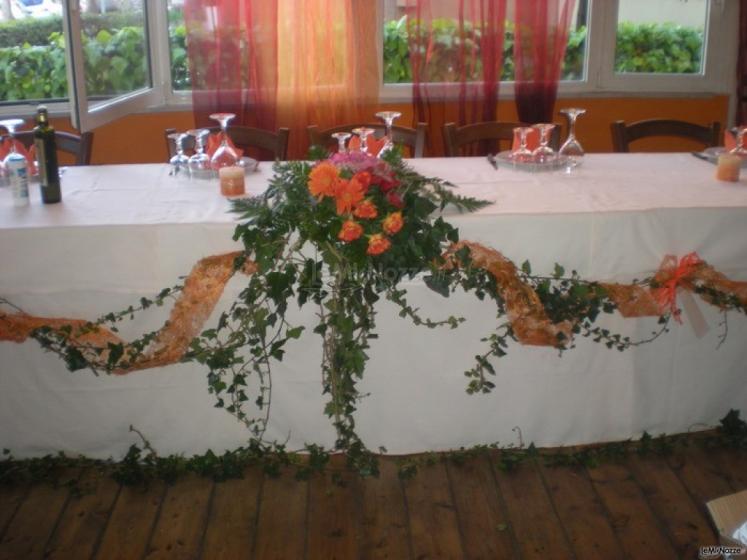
(663, 37)
(115, 48)
(32, 55)
(180, 78)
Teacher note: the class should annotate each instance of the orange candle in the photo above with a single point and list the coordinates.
(231, 181)
(728, 167)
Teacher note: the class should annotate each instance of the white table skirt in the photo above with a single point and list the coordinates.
(125, 232)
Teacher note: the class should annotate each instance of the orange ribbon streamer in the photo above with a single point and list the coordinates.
(373, 145)
(675, 274)
(213, 143)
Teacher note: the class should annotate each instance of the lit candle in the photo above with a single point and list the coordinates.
(231, 181)
(728, 168)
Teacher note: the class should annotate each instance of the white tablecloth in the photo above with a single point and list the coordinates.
(124, 232)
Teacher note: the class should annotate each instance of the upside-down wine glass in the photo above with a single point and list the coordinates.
(388, 117)
(363, 132)
(571, 149)
(179, 159)
(199, 162)
(225, 155)
(341, 138)
(523, 154)
(10, 125)
(544, 153)
(740, 149)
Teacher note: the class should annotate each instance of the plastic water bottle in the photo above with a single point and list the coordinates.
(17, 169)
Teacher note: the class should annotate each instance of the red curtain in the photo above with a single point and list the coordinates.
(468, 68)
(742, 66)
(541, 36)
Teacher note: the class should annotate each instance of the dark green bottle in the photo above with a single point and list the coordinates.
(46, 156)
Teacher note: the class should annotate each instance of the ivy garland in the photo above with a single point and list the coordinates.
(341, 234)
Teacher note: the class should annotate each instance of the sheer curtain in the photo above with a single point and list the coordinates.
(284, 62)
(541, 36)
(742, 66)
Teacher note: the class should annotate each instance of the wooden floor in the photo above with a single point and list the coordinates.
(643, 508)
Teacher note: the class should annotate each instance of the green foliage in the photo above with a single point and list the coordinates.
(661, 48)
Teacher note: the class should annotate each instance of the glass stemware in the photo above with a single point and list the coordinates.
(740, 149)
(571, 149)
(225, 155)
(363, 133)
(14, 159)
(341, 138)
(199, 162)
(178, 160)
(388, 117)
(522, 154)
(544, 153)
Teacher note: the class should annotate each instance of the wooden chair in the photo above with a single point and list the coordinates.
(78, 146)
(413, 138)
(244, 137)
(502, 133)
(623, 134)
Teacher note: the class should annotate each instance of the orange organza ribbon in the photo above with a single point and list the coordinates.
(374, 145)
(730, 142)
(533, 140)
(666, 295)
(29, 154)
(214, 141)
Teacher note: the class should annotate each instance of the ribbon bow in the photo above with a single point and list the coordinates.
(676, 274)
(213, 143)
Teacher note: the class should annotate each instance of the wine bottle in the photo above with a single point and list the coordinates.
(46, 156)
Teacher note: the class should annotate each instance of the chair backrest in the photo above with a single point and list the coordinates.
(78, 146)
(413, 138)
(244, 137)
(623, 134)
(502, 133)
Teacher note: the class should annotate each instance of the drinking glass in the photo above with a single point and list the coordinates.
(388, 117)
(10, 125)
(740, 149)
(178, 160)
(522, 154)
(199, 162)
(225, 155)
(544, 153)
(571, 149)
(363, 133)
(341, 138)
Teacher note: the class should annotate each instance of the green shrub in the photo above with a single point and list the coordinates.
(665, 48)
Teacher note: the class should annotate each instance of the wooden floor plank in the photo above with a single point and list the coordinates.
(333, 527)
(733, 464)
(232, 521)
(131, 522)
(384, 530)
(484, 525)
(535, 524)
(181, 522)
(434, 528)
(84, 519)
(671, 502)
(10, 498)
(703, 479)
(635, 524)
(35, 520)
(281, 528)
(581, 513)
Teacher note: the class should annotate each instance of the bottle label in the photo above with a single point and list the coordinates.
(19, 184)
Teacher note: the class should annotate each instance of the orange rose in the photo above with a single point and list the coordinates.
(393, 223)
(322, 180)
(351, 230)
(366, 210)
(377, 244)
(364, 178)
(347, 195)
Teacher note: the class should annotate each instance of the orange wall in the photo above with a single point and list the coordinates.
(140, 138)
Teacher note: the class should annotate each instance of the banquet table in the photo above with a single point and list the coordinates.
(126, 232)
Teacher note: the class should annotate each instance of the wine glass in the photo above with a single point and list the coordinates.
(388, 117)
(571, 149)
(544, 153)
(179, 159)
(740, 149)
(341, 138)
(522, 154)
(199, 162)
(225, 155)
(14, 159)
(363, 132)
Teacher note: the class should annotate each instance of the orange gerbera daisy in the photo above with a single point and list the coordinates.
(393, 223)
(322, 180)
(366, 210)
(348, 194)
(351, 230)
(377, 244)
